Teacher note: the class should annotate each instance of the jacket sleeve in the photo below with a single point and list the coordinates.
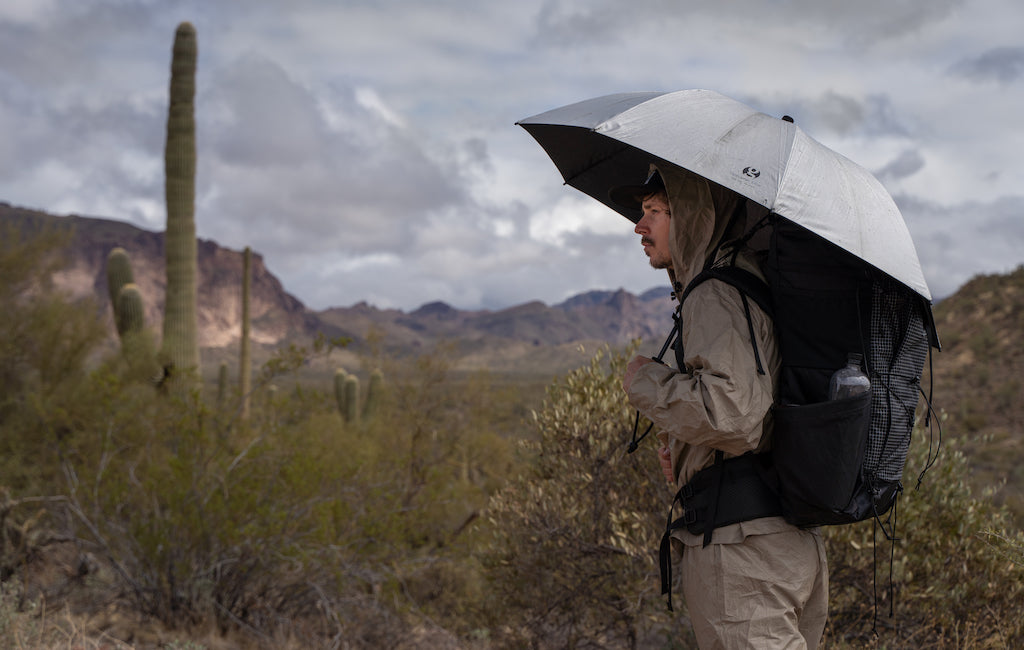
(718, 400)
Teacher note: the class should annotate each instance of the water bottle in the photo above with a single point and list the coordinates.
(849, 380)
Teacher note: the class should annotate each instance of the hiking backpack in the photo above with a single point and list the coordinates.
(832, 461)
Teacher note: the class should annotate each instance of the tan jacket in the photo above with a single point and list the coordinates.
(718, 401)
(763, 583)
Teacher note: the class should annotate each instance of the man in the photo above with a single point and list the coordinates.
(761, 582)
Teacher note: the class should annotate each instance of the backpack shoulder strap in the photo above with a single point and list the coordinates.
(749, 286)
(743, 280)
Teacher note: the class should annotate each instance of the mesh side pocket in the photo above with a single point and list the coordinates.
(895, 362)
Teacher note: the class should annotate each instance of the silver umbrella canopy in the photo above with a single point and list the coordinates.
(607, 141)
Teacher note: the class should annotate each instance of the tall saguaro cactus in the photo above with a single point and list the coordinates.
(245, 357)
(180, 347)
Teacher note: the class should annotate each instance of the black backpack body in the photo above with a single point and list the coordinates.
(834, 461)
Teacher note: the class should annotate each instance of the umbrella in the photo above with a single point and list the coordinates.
(607, 141)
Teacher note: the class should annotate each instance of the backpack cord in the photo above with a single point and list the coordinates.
(929, 410)
(634, 444)
(874, 576)
(892, 557)
(753, 338)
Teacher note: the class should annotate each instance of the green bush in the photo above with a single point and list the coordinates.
(294, 513)
(573, 559)
(419, 523)
(46, 339)
(954, 575)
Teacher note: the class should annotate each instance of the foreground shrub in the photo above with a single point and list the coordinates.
(956, 570)
(46, 339)
(573, 557)
(291, 520)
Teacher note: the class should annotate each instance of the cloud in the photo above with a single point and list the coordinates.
(950, 254)
(261, 117)
(908, 163)
(368, 150)
(335, 169)
(832, 113)
(807, 22)
(1002, 64)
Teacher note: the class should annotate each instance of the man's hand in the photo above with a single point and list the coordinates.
(635, 364)
(665, 458)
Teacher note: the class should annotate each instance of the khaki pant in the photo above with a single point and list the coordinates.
(767, 591)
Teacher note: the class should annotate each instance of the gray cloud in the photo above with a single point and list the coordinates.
(951, 254)
(906, 164)
(262, 117)
(569, 24)
(1003, 64)
(305, 173)
(367, 149)
(840, 114)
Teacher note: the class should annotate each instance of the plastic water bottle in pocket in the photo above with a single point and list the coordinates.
(849, 380)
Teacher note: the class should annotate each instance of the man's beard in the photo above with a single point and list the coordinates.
(657, 262)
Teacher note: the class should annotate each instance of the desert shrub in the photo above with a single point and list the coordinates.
(572, 561)
(291, 519)
(45, 340)
(427, 464)
(956, 571)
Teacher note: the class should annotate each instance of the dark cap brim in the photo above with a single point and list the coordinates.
(631, 196)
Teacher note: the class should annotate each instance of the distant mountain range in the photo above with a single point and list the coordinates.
(977, 377)
(595, 317)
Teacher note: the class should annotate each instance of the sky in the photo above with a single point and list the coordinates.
(368, 150)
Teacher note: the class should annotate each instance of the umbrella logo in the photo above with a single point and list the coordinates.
(751, 172)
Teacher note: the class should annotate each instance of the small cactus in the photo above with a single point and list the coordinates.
(373, 391)
(351, 399)
(129, 314)
(339, 390)
(245, 357)
(119, 273)
(222, 385)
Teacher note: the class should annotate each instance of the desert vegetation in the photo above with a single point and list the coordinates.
(459, 512)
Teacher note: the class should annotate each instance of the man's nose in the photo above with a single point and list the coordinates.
(641, 226)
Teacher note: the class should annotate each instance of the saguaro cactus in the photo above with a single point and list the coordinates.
(351, 399)
(339, 390)
(125, 298)
(129, 314)
(222, 385)
(119, 273)
(245, 356)
(373, 391)
(180, 349)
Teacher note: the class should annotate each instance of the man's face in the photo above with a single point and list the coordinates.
(653, 230)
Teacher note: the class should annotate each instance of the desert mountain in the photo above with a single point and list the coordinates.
(598, 316)
(979, 378)
(276, 314)
(978, 385)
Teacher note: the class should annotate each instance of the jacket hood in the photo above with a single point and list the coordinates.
(701, 213)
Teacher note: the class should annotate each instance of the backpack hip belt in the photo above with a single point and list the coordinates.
(727, 492)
